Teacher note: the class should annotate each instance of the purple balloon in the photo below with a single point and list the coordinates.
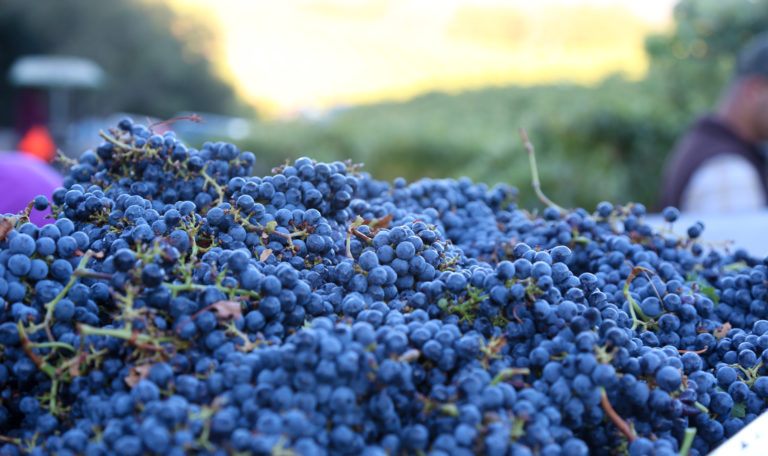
(22, 178)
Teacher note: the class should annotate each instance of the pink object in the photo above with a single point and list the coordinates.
(22, 178)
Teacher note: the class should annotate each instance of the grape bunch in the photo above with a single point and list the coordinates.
(178, 305)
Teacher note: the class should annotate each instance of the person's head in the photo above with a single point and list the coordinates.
(749, 92)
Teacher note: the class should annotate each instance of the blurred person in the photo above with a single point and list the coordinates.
(719, 164)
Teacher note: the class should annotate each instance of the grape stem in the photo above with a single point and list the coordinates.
(617, 420)
(119, 144)
(509, 372)
(701, 407)
(27, 346)
(54, 345)
(177, 287)
(5, 438)
(634, 308)
(54, 393)
(685, 448)
(142, 341)
(535, 171)
(49, 307)
(196, 118)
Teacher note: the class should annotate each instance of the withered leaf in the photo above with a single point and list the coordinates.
(137, 374)
(722, 331)
(382, 222)
(265, 254)
(226, 310)
(6, 225)
(74, 370)
(28, 209)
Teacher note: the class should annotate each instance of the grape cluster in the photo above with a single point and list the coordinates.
(178, 305)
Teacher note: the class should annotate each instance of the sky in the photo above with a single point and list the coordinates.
(301, 56)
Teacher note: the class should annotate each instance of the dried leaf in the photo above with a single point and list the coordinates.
(265, 254)
(74, 370)
(6, 225)
(226, 310)
(28, 209)
(382, 222)
(137, 374)
(722, 331)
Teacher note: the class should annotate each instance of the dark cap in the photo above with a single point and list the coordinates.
(753, 58)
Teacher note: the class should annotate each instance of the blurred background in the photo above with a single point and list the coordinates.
(410, 88)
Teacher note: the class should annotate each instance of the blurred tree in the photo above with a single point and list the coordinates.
(696, 59)
(606, 142)
(156, 60)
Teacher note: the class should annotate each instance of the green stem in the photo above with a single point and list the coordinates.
(634, 309)
(450, 409)
(118, 143)
(125, 334)
(177, 287)
(112, 332)
(54, 393)
(685, 448)
(26, 345)
(518, 429)
(6, 439)
(49, 307)
(581, 240)
(509, 372)
(54, 345)
(701, 407)
(210, 180)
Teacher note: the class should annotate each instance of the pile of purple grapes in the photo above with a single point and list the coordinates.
(178, 305)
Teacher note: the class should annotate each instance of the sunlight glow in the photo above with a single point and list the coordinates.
(289, 56)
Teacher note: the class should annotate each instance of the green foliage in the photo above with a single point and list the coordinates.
(155, 60)
(700, 51)
(606, 142)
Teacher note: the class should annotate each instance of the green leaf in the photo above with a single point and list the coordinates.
(703, 286)
(739, 410)
(711, 293)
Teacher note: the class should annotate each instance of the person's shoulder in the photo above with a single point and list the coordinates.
(708, 125)
(710, 136)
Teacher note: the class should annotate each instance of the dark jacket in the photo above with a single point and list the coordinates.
(708, 137)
